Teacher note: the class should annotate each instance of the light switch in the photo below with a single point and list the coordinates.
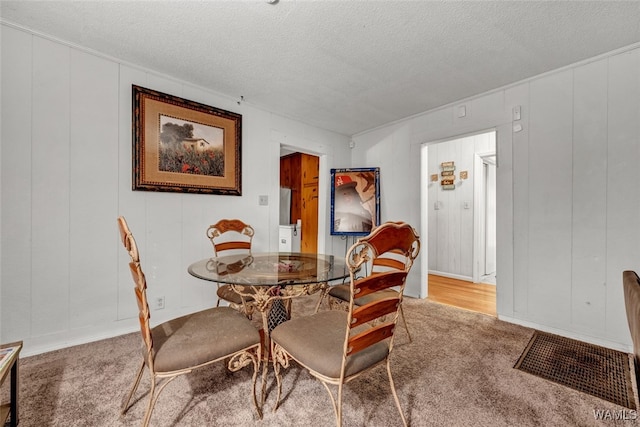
(263, 200)
(462, 111)
(436, 206)
(516, 113)
(466, 204)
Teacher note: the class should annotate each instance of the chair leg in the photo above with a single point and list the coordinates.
(253, 357)
(152, 402)
(256, 368)
(134, 387)
(323, 294)
(395, 395)
(339, 410)
(153, 397)
(276, 372)
(404, 320)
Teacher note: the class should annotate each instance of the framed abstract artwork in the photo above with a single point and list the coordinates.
(355, 201)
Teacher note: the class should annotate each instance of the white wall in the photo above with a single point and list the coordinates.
(452, 224)
(568, 199)
(66, 176)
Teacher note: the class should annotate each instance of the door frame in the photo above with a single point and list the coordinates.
(479, 210)
(323, 179)
(424, 199)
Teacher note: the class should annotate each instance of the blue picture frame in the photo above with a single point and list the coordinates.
(355, 201)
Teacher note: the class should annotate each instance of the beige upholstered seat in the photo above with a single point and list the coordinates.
(232, 237)
(179, 346)
(337, 346)
(631, 284)
(388, 261)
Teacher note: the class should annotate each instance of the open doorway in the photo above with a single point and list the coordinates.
(460, 212)
(484, 235)
(299, 180)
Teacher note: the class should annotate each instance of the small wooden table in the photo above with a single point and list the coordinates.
(9, 355)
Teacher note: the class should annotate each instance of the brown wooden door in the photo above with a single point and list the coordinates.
(309, 241)
(299, 172)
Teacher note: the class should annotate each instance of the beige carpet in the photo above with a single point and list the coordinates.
(458, 371)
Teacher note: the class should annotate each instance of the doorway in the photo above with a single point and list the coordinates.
(459, 209)
(299, 180)
(485, 218)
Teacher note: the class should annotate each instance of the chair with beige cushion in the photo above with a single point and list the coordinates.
(233, 237)
(631, 285)
(181, 345)
(338, 346)
(393, 260)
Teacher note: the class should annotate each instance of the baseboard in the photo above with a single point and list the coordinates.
(451, 275)
(35, 348)
(625, 348)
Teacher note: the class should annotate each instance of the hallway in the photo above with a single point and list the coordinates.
(479, 297)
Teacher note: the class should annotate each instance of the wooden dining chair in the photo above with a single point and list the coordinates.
(181, 345)
(631, 289)
(338, 346)
(392, 260)
(233, 237)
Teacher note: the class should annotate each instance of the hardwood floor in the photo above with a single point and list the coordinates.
(477, 297)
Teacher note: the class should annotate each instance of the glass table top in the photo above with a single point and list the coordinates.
(272, 268)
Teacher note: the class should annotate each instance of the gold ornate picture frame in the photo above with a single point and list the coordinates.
(183, 146)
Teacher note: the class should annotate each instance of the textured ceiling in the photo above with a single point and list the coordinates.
(346, 66)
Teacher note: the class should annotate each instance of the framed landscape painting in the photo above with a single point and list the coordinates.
(183, 146)
(355, 201)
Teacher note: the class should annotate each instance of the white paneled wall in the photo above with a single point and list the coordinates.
(623, 192)
(568, 199)
(66, 175)
(550, 198)
(589, 184)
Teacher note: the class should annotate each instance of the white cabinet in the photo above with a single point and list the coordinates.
(289, 238)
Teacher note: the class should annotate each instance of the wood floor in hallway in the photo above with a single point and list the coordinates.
(477, 297)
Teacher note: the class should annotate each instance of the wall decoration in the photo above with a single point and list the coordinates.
(434, 177)
(448, 175)
(447, 166)
(355, 201)
(183, 146)
(464, 174)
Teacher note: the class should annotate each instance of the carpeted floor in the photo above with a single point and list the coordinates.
(458, 371)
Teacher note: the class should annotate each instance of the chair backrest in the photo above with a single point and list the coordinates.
(387, 258)
(385, 244)
(230, 237)
(140, 287)
(631, 284)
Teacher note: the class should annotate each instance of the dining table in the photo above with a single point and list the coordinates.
(272, 280)
(272, 277)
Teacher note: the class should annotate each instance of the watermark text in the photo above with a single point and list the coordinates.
(615, 414)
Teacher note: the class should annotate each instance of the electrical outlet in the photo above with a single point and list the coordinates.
(159, 303)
